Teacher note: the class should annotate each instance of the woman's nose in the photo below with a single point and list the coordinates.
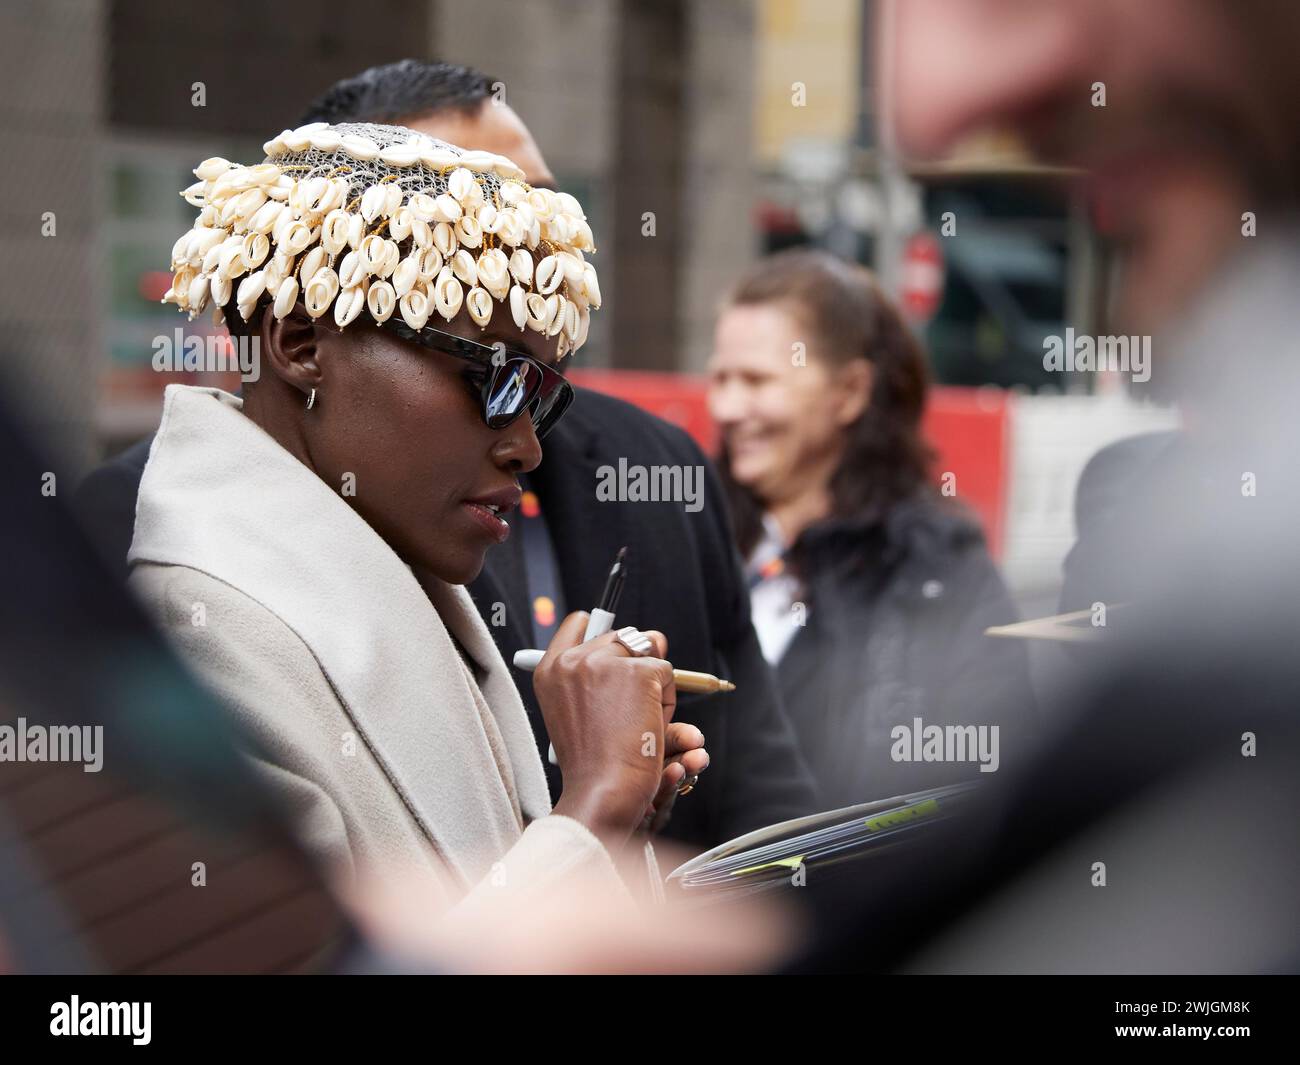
(726, 400)
(517, 448)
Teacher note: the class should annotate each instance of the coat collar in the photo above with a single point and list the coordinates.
(219, 495)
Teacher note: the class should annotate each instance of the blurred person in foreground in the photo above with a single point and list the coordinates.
(870, 591)
(1158, 832)
(684, 578)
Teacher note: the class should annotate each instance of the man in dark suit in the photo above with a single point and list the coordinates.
(684, 577)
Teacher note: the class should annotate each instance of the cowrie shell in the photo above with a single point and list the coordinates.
(511, 192)
(255, 250)
(494, 272)
(446, 208)
(422, 206)
(197, 295)
(351, 269)
(220, 290)
(372, 202)
(462, 264)
(469, 234)
(448, 295)
(406, 275)
(521, 266)
(348, 306)
(381, 301)
(557, 315)
(285, 297)
(478, 161)
(430, 263)
(590, 284)
(399, 225)
(359, 147)
(444, 239)
(536, 310)
(568, 204)
(548, 275)
(479, 304)
(438, 158)
(400, 155)
(414, 307)
(334, 231)
(460, 182)
(312, 261)
(320, 291)
(211, 169)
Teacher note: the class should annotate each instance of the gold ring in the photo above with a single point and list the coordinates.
(688, 784)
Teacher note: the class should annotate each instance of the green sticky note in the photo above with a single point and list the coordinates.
(786, 863)
(899, 817)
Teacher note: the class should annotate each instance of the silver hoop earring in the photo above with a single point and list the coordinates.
(311, 400)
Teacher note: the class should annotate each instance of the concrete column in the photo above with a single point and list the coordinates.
(51, 78)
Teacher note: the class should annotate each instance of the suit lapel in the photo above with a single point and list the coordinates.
(586, 533)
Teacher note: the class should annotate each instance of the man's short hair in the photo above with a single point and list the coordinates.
(400, 90)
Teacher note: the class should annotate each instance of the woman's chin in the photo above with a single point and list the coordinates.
(750, 474)
(461, 568)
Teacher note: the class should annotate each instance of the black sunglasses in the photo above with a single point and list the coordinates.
(514, 382)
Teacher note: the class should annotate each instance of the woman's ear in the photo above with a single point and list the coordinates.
(290, 348)
(852, 384)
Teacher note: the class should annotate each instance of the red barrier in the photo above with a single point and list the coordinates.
(968, 428)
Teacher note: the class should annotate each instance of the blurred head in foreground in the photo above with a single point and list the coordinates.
(1181, 113)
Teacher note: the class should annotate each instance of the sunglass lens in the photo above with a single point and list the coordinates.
(513, 387)
(550, 406)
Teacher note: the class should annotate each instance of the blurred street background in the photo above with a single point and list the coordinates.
(737, 126)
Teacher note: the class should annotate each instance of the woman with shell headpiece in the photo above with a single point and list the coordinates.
(306, 544)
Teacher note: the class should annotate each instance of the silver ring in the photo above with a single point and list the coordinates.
(635, 640)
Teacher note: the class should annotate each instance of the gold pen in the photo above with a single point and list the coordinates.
(689, 681)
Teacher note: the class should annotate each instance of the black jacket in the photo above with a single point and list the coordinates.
(897, 608)
(684, 579)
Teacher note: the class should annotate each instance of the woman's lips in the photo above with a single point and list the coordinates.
(748, 445)
(495, 527)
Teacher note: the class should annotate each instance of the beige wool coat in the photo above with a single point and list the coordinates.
(341, 670)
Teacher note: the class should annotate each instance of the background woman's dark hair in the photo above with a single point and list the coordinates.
(885, 459)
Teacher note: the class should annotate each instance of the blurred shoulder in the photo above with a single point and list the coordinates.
(115, 480)
(934, 526)
(1109, 474)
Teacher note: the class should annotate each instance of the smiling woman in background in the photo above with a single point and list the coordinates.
(305, 546)
(870, 592)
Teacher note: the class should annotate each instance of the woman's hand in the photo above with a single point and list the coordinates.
(686, 756)
(608, 713)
